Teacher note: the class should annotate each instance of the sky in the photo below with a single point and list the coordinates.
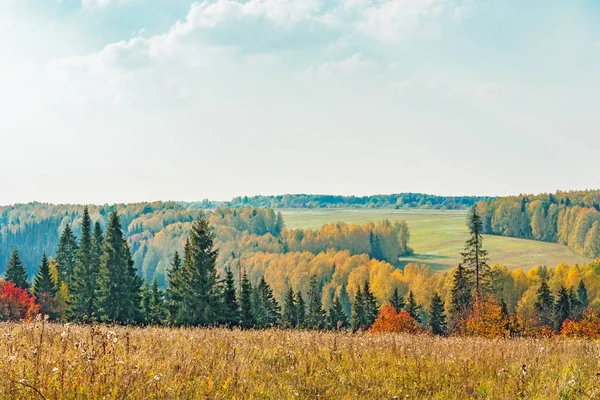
(106, 101)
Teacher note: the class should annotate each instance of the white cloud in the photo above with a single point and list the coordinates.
(100, 3)
(357, 62)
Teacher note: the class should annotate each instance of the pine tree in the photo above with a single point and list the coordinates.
(461, 297)
(358, 310)
(85, 276)
(562, 308)
(337, 316)
(300, 311)
(119, 286)
(231, 312)
(201, 300)
(412, 308)
(396, 300)
(316, 315)
(370, 305)
(246, 315)
(66, 255)
(437, 319)
(15, 271)
(289, 309)
(544, 304)
(174, 290)
(474, 256)
(43, 283)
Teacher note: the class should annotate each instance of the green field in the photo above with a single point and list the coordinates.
(437, 237)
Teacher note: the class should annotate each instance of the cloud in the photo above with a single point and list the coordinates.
(99, 3)
(354, 63)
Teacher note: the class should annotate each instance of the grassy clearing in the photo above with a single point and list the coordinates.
(438, 236)
(59, 362)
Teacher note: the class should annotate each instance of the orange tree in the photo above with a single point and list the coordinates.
(16, 303)
(486, 319)
(390, 321)
(589, 326)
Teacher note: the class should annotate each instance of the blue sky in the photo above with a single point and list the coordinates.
(130, 100)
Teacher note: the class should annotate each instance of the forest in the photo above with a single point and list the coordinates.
(568, 218)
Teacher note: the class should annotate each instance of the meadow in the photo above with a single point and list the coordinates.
(53, 361)
(438, 236)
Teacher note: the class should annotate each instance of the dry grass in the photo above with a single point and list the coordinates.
(60, 362)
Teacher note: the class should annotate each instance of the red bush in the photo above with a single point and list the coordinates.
(589, 326)
(16, 303)
(390, 321)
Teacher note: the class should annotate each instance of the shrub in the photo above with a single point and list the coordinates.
(486, 319)
(589, 326)
(16, 303)
(390, 321)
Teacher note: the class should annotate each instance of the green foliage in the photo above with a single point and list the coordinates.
(66, 255)
(461, 296)
(544, 304)
(337, 316)
(437, 318)
(475, 257)
(316, 317)
(84, 284)
(289, 314)
(397, 301)
(231, 311)
(15, 271)
(246, 314)
(413, 308)
(43, 283)
(265, 309)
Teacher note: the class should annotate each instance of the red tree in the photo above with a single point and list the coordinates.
(390, 321)
(16, 303)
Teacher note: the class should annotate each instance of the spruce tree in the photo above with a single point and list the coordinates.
(201, 298)
(15, 271)
(66, 255)
(370, 305)
(437, 319)
(582, 297)
(475, 258)
(375, 245)
(396, 300)
(246, 315)
(461, 296)
(337, 316)
(153, 304)
(544, 304)
(300, 311)
(231, 312)
(562, 308)
(358, 310)
(289, 309)
(316, 315)
(412, 308)
(85, 276)
(266, 310)
(43, 283)
(119, 286)
(174, 290)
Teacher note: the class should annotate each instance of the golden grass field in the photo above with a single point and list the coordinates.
(52, 361)
(437, 236)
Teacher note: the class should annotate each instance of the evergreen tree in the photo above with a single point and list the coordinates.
(412, 308)
(154, 306)
(316, 315)
(475, 258)
(15, 271)
(544, 304)
(85, 275)
(174, 289)
(358, 310)
(582, 295)
(43, 283)
(266, 310)
(200, 295)
(437, 319)
(289, 309)
(375, 245)
(562, 308)
(66, 255)
(396, 300)
(461, 296)
(300, 311)
(119, 286)
(246, 315)
(345, 300)
(231, 312)
(337, 316)
(370, 306)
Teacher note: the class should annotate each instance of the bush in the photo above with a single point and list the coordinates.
(390, 321)
(16, 303)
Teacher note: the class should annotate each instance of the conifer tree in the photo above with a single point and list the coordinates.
(396, 300)
(316, 315)
(246, 315)
(358, 310)
(174, 290)
(300, 311)
(412, 308)
(289, 309)
(375, 245)
(345, 300)
(266, 310)
(562, 308)
(582, 296)
(43, 283)
(437, 319)
(370, 305)
(337, 316)
(201, 298)
(119, 286)
(66, 255)
(460, 296)
(231, 312)
(153, 304)
(15, 271)
(475, 258)
(544, 304)
(85, 275)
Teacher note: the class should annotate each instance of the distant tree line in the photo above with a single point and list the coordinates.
(569, 218)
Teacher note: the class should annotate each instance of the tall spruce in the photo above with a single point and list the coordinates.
(43, 284)
(85, 276)
(544, 304)
(475, 257)
(562, 308)
(396, 300)
(370, 305)
(119, 286)
(266, 310)
(231, 309)
(300, 310)
(412, 307)
(358, 310)
(246, 315)
(437, 318)
(66, 255)
(16, 272)
(289, 309)
(174, 289)
(316, 317)
(153, 304)
(461, 296)
(200, 297)
(337, 317)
